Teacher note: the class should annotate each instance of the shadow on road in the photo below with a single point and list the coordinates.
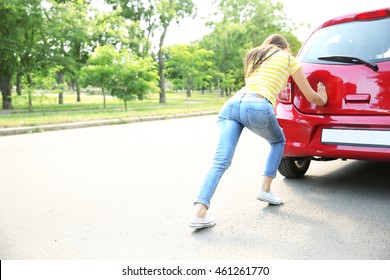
(357, 176)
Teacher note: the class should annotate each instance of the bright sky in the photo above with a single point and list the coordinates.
(313, 12)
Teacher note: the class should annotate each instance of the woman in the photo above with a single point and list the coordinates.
(267, 69)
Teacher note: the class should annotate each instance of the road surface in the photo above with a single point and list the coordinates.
(125, 192)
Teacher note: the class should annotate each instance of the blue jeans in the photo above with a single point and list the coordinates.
(254, 113)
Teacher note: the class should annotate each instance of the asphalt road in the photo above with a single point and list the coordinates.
(125, 192)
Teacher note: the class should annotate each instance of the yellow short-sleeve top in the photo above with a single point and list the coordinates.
(271, 76)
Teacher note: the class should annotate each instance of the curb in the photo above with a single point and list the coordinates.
(53, 127)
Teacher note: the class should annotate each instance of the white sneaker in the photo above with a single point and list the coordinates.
(269, 197)
(199, 223)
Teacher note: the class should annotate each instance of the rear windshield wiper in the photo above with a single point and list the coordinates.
(350, 59)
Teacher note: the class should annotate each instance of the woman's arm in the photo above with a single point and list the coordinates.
(319, 98)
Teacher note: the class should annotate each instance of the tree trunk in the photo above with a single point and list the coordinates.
(219, 84)
(78, 91)
(30, 105)
(61, 82)
(19, 84)
(30, 91)
(5, 86)
(29, 79)
(189, 84)
(161, 66)
(222, 92)
(104, 98)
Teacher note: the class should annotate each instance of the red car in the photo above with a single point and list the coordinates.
(350, 55)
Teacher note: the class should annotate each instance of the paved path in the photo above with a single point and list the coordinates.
(125, 192)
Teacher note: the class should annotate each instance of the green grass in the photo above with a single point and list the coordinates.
(91, 108)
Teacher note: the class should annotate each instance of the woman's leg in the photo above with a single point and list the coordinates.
(260, 118)
(274, 157)
(230, 132)
(266, 183)
(277, 141)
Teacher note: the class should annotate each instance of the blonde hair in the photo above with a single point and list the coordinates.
(256, 56)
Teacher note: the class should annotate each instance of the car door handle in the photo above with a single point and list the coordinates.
(358, 98)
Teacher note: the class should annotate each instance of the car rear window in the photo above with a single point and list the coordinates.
(368, 40)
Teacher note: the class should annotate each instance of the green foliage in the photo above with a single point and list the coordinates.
(99, 69)
(36, 89)
(244, 25)
(157, 15)
(132, 77)
(20, 42)
(228, 52)
(191, 64)
(69, 30)
(125, 75)
(111, 49)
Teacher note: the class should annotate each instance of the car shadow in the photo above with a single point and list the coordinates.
(354, 190)
(357, 176)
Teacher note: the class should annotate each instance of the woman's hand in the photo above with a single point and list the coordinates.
(318, 97)
(321, 90)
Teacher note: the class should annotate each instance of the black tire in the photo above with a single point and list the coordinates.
(291, 167)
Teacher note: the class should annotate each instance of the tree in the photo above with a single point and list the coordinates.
(169, 10)
(109, 28)
(132, 77)
(99, 69)
(9, 17)
(156, 15)
(42, 81)
(228, 54)
(31, 60)
(68, 24)
(20, 42)
(189, 63)
(124, 74)
(140, 24)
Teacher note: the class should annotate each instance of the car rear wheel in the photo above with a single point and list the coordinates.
(293, 167)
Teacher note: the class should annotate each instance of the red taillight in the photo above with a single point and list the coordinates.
(373, 14)
(285, 96)
(354, 17)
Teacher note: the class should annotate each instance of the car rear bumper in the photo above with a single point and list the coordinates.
(342, 137)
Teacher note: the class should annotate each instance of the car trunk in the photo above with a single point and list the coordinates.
(366, 93)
